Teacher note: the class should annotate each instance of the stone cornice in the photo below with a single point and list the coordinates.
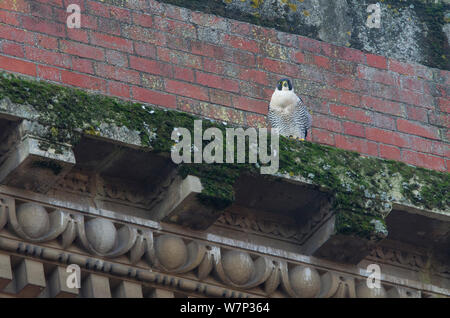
(196, 264)
(97, 137)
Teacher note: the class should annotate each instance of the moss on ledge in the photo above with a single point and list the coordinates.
(364, 188)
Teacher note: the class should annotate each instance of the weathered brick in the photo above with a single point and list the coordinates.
(254, 120)
(120, 14)
(183, 73)
(43, 26)
(241, 43)
(417, 129)
(255, 90)
(376, 75)
(217, 82)
(420, 144)
(350, 113)
(109, 26)
(47, 42)
(221, 67)
(188, 90)
(118, 89)
(49, 73)
(411, 83)
(423, 160)
(15, 5)
(376, 61)
(180, 58)
(416, 113)
(322, 62)
(242, 58)
(98, 8)
(383, 121)
(278, 67)
(349, 98)
(325, 122)
(48, 57)
(150, 66)
(18, 66)
(9, 17)
(82, 50)
(390, 152)
(78, 35)
(14, 49)
(82, 65)
(144, 49)
(330, 94)
(40, 10)
(349, 54)
(84, 81)
(310, 45)
(17, 35)
(152, 97)
(382, 105)
(147, 35)
(209, 20)
(253, 76)
(322, 136)
(346, 68)
(178, 28)
(249, 104)
(440, 149)
(356, 144)
(144, 20)
(444, 104)
(117, 73)
(111, 42)
(58, 3)
(353, 129)
(220, 97)
(116, 58)
(401, 67)
(387, 137)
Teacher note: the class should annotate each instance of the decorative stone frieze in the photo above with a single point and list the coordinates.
(200, 266)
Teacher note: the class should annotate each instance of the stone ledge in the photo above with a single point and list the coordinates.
(362, 190)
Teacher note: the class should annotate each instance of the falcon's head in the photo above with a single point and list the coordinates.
(284, 84)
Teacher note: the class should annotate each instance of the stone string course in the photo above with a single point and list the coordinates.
(225, 69)
(177, 263)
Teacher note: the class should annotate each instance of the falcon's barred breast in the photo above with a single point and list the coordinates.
(288, 113)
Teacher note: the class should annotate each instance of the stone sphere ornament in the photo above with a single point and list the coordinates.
(363, 291)
(171, 251)
(33, 219)
(101, 234)
(238, 266)
(305, 281)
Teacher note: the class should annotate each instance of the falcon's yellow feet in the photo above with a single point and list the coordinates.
(296, 138)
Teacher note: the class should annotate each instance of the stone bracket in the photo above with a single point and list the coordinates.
(181, 205)
(329, 244)
(27, 165)
(29, 279)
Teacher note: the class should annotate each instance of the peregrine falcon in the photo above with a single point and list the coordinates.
(288, 113)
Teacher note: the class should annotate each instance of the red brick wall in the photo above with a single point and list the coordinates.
(227, 70)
